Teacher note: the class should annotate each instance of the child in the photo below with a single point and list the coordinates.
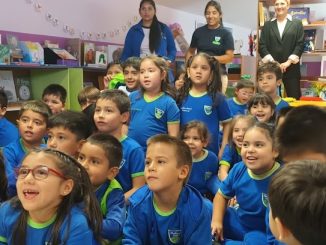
(88, 96)
(112, 70)
(205, 163)
(111, 114)
(55, 96)
(131, 74)
(232, 151)
(269, 79)
(153, 110)
(32, 124)
(55, 203)
(3, 180)
(179, 82)
(248, 181)
(281, 114)
(262, 107)
(101, 156)
(167, 211)
(67, 130)
(8, 131)
(297, 200)
(200, 99)
(244, 90)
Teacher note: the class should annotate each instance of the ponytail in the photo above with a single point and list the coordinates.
(155, 35)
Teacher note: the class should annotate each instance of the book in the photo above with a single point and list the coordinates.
(114, 52)
(309, 40)
(74, 48)
(4, 54)
(300, 14)
(101, 58)
(23, 87)
(8, 85)
(88, 53)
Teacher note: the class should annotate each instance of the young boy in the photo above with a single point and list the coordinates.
(67, 130)
(244, 90)
(168, 211)
(131, 74)
(101, 156)
(8, 131)
(32, 124)
(88, 96)
(55, 96)
(111, 114)
(297, 203)
(269, 79)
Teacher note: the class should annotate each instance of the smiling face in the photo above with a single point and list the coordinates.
(263, 112)
(213, 17)
(32, 127)
(162, 173)
(281, 8)
(257, 150)
(41, 198)
(199, 72)
(239, 130)
(244, 94)
(54, 102)
(151, 77)
(131, 78)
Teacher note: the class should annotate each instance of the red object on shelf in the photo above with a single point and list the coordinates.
(310, 98)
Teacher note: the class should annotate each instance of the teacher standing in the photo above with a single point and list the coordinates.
(213, 39)
(149, 36)
(281, 40)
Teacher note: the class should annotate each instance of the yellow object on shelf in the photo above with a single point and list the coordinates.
(307, 102)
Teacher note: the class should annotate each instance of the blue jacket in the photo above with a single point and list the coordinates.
(189, 224)
(135, 36)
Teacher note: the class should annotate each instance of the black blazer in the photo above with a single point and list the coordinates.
(270, 42)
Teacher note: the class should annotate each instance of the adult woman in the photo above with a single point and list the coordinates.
(213, 39)
(149, 36)
(282, 40)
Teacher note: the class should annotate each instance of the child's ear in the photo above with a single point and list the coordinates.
(66, 187)
(275, 153)
(184, 172)
(125, 117)
(188, 72)
(283, 231)
(278, 82)
(79, 145)
(205, 143)
(112, 173)
(3, 111)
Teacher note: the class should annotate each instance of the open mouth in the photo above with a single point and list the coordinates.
(30, 194)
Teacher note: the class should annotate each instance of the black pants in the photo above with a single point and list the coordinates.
(292, 87)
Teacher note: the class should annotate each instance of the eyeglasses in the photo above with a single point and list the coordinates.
(39, 172)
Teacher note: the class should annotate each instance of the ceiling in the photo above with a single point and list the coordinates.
(238, 12)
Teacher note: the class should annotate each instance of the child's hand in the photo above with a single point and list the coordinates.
(179, 83)
(217, 230)
(233, 202)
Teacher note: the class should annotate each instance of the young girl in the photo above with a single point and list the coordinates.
(248, 181)
(3, 180)
(205, 163)
(200, 98)
(55, 203)
(113, 70)
(262, 107)
(232, 150)
(153, 110)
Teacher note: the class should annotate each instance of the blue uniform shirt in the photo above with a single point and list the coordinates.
(203, 109)
(231, 155)
(251, 192)
(189, 223)
(8, 132)
(280, 104)
(202, 170)
(39, 234)
(236, 107)
(151, 117)
(132, 164)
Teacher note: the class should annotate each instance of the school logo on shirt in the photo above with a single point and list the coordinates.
(122, 163)
(217, 41)
(208, 175)
(174, 236)
(208, 109)
(158, 113)
(264, 199)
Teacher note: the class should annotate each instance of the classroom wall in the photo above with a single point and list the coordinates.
(100, 20)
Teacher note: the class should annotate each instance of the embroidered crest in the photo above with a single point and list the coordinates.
(122, 163)
(158, 113)
(208, 175)
(174, 236)
(217, 41)
(208, 109)
(264, 199)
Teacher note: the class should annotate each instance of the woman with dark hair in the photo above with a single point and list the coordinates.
(213, 39)
(149, 36)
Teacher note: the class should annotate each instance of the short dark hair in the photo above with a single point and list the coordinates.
(267, 129)
(76, 122)
(3, 99)
(263, 99)
(56, 89)
(302, 131)
(88, 93)
(297, 196)
(118, 97)
(111, 146)
(282, 113)
(245, 84)
(37, 106)
(272, 67)
(132, 62)
(201, 128)
(182, 150)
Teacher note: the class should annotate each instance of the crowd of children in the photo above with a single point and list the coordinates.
(142, 162)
